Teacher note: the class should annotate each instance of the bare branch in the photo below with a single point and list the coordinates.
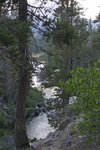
(34, 6)
(37, 16)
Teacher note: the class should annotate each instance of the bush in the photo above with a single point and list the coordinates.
(85, 85)
(34, 96)
(28, 111)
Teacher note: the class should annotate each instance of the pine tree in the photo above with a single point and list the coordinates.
(96, 40)
(14, 39)
(21, 137)
(69, 36)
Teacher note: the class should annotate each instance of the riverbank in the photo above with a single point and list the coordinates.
(64, 139)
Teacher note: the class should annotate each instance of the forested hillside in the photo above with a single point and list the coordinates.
(60, 38)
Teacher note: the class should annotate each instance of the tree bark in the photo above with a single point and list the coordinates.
(21, 137)
(20, 129)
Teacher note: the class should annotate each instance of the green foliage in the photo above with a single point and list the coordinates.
(28, 111)
(29, 148)
(7, 140)
(96, 40)
(54, 121)
(3, 119)
(69, 36)
(85, 85)
(34, 96)
(11, 109)
(7, 34)
(57, 106)
(72, 110)
(33, 140)
(64, 32)
(2, 132)
(61, 110)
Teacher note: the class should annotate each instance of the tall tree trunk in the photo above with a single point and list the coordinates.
(71, 61)
(20, 129)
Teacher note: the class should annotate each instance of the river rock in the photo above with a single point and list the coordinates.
(41, 104)
(66, 122)
(66, 142)
(36, 112)
(62, 140)
(42, 74)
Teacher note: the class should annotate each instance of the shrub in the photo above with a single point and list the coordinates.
(34, 96)
(28, 111)
(85, 85)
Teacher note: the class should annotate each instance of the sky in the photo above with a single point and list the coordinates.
(91, 7)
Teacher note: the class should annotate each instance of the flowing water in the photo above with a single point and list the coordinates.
(39, 127)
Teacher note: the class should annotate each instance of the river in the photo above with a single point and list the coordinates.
(39, 127)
